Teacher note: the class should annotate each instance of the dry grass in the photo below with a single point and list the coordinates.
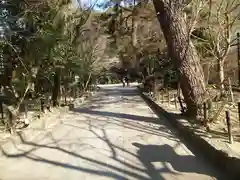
(218, 125)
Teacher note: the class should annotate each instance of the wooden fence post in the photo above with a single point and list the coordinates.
(205, 114)
(181, 105)
(74, 93)
(65, 96)
(2, 113)
(162, 97)
(1, 109)
(175, 100)
(48, 105)
(229, 127)
(178, 89)
(158, 96)
(238, 56)
(42, 104)
(169, 98)
(239, 112)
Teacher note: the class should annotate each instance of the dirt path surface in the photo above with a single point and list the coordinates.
(113, 136)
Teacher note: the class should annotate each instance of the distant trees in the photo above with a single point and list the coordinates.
(194, 31)
(177, 33)
(219, 22)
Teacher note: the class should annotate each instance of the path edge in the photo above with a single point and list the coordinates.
(46, 121)
(230, 165)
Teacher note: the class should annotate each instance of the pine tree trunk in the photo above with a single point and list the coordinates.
(182, 52)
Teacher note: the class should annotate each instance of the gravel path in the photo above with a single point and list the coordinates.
(114, 136)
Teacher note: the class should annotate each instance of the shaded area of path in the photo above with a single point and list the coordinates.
(113, 136)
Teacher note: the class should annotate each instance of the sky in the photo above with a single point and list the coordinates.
(89, 3)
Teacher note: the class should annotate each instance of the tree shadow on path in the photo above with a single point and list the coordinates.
(128, 122)
(148, 154)
(29, 154)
